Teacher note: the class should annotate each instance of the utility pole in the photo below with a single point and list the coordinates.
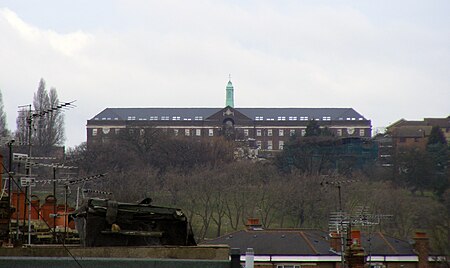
(54, 205)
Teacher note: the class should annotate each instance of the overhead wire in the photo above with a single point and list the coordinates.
(39, 213)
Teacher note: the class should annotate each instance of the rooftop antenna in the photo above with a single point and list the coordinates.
(339, 221)
(362, 218)
(31, 182)
(31, 115)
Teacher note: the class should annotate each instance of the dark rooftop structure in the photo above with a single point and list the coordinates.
(302, 114)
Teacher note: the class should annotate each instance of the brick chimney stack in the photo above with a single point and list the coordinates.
(355, 254)
(335, 241)
(421, 247)
(253, 224)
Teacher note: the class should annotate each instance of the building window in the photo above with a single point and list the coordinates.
(211, 132)
(281, 132)
(292, 132)
(246, 132)
(198, 118)
(131, 117)
(198, 132)
(165, 117)
(269, 132)
(339, 132)
(281, 118)
(269, 145)
(258, 144)
(94, 132)
(326, 118)
(292, 118)
(303, 118)
(153, 118)
(176, 118)
(258, 132)
(175, 132)
(117, 131)
(303, 132)
(259, 118)
(187, 132)
(361, 132)
(280, 145)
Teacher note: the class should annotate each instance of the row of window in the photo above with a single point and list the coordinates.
(268, 145)
(303, 118)
(154, 118)
(281, 132)
(165, 118)
(270, 132)
(257, 118)
(198, 132)
(259, 132)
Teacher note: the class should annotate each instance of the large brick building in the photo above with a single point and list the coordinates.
(269, 128)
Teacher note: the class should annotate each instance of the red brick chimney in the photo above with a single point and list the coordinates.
(253, 224)
(335, 241)
(355, 254)
(421, 247)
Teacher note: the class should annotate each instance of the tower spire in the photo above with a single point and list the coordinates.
(230, 93)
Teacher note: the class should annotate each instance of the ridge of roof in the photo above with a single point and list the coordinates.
(302, 234)
(392, 248)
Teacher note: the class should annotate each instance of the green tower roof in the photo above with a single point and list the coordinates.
(230, 94)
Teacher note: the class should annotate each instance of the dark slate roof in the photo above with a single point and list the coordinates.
(277, 242)
(295, 242)
(441, 122)
(311, 113)
(411, 131)
(381, 244)
(124, 113)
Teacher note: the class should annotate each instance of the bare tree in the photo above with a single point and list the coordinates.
(3, 128)
(49, 129)
(22, 129)
(55, 121)
(40, 103)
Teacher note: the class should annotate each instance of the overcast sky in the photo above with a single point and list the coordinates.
(386, 59)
